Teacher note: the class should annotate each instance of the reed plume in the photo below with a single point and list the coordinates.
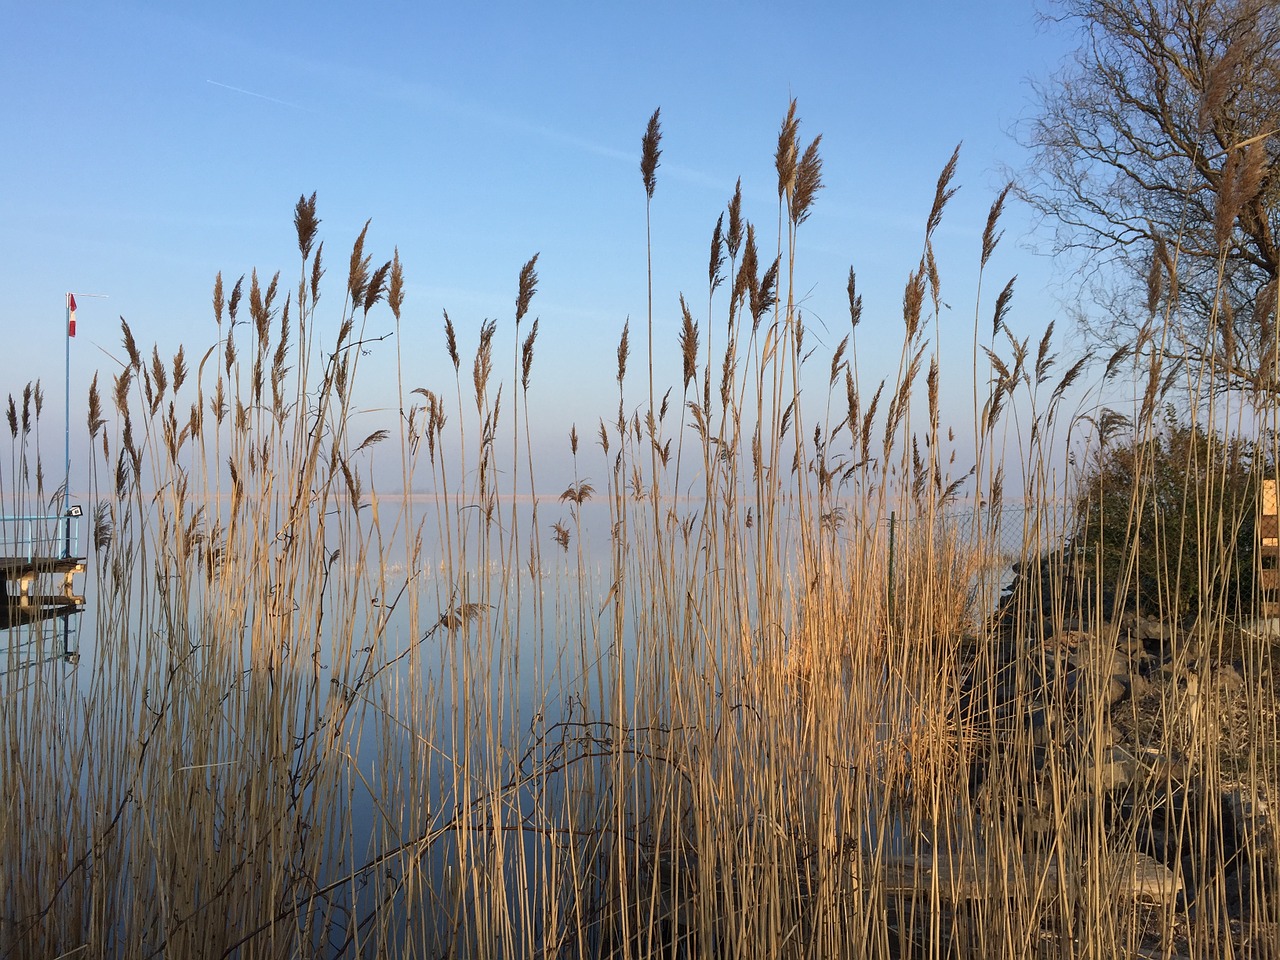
(528, 286)
(650, 153)
(855, 301)
(990, 235)
(306, 223)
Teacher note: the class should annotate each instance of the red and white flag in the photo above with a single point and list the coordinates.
(71, 314)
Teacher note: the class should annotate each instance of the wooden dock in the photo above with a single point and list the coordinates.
(38, 569)
(35, 590)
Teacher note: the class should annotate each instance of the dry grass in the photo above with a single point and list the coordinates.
(317, 720)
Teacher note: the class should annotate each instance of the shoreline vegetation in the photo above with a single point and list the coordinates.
(312, 722)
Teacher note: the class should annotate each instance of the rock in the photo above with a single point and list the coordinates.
(1147, 879)
(967, 875)
(1130, 647)
(1268, 627)
(1139, 686)
(1252, 817)
(1098, 670)
(1228, 683)
(1118, 769)
(1238, 891)
(1117, 689)
(1094, 655)
(1150, 629)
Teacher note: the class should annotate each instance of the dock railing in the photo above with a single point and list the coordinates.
(35, 537)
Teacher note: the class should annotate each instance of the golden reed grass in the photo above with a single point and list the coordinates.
(316, 719)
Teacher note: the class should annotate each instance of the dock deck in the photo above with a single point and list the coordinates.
(39, 564)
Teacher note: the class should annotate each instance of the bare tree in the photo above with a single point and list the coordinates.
(1155, 156)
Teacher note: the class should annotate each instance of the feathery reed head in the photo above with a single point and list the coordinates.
(451, 341)
(130, 345)
(1002, 305)
(943, 192)
(317, 272)
(95, 408)
(269, 298)
(727, 368)
(913, 302)
(102, 526)
(989, 235)
(158, 376)
(218, 301)
(483, 365)
(808, 181)
(853, 406)
(931, 390)
(358, 269)
(688, 343)
(259, 308)
(733, 239)
(120, 394)
(715, 270)
(838, 362)
(1155, 274)
(855, 300)
(1073, 373)
(931, 273)
(1223, 75)
(526, 356)
(527, 288)
(764, 294)
(374, 438)
(578, 494)
(306, 223)
(233, 305)
(377, 286)
(560, 533)
(649, 153)
(784, 158)
(395, 290)
(624, 349)
(1045, 359)
(1241, 179)
(746, 288)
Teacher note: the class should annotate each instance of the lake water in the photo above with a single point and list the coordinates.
(458, 722)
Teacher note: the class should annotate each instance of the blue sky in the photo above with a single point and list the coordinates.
(150, 146)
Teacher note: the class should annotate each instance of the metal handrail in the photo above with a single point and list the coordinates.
(65, 537)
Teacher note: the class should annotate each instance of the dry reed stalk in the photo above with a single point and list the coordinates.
(304, 725)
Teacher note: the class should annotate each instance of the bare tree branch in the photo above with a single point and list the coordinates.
(1165, 130)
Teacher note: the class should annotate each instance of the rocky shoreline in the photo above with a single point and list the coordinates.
(1161, 736)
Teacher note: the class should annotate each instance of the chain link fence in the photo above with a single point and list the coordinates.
(980, 548)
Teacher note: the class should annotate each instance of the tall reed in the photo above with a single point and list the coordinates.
(313, 717)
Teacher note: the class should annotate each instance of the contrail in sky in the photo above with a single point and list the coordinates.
(250, 93)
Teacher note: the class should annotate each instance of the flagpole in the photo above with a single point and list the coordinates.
(68, 332)
(66, 413)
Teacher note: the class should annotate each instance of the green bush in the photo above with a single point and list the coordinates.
(1166, 518)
